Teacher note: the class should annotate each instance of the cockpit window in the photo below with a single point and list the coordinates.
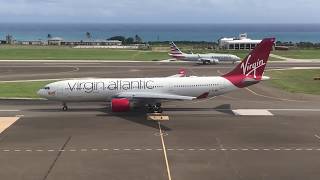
(46, 88)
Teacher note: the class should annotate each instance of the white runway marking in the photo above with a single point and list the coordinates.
(70, 63)
(195, 150)
(252, 112)
(9, 110)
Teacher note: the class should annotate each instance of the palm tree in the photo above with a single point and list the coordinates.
(137, 39)
(88, 35)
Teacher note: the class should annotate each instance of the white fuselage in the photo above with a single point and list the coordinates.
(106, 89)
(211, 56)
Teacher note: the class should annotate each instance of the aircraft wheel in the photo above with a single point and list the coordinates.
(155, 108)
(65, 108)
(159, 110)
(149, 108)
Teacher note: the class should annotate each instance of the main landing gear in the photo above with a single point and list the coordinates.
(64, 107)
(154, 108)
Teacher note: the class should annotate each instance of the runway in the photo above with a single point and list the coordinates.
(206, 139)
(10, 71)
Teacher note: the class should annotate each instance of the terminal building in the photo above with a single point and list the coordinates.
(58, 41)
(242, 42)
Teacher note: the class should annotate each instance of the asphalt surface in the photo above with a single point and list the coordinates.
(202, 140)
(55, 70)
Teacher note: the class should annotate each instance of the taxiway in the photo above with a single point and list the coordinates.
(255, 133)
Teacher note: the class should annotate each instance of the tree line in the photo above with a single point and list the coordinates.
(125, 40)
(130, 40)
(299, 44)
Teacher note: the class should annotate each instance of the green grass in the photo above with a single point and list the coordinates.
(296, 81)
(66, 53)
(21, 89)
(299, 54)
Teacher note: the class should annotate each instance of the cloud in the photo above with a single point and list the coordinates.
(153, 11)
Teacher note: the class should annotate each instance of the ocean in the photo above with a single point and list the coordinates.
(163, 32)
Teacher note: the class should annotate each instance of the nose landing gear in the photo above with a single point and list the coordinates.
(64, 107)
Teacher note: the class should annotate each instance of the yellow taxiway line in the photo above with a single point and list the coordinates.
(164, 151)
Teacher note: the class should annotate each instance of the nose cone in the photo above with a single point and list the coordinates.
(236, 58)
(41, 93)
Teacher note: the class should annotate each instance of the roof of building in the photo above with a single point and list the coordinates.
(56, 39)
(240, 41)
(96, 41)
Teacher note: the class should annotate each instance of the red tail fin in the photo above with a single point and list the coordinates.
(252, 67)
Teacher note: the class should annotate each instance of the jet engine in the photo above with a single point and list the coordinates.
(120, 105)
(209, 61)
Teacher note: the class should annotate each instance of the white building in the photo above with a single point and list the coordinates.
(92, 43)
(243, 42)
(31, 42)
(55, 41)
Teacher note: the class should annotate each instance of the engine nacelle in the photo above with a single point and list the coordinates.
(120, 105)
(214, 61)
(209, 61)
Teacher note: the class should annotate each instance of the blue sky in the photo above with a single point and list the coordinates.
(161, 11)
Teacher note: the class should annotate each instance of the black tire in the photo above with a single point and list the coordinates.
(65, 108)
(149, 109)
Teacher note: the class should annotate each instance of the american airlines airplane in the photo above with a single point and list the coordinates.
(150, 92)
(211, 58)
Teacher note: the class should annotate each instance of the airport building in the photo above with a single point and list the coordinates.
(56, 41)
(92, 43)
(242, 42)
(60, 41)
(31, 42)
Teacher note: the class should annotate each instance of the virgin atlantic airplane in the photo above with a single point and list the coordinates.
(150, 92)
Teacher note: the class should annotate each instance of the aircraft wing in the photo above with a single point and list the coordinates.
(182, 73)
(151, 95)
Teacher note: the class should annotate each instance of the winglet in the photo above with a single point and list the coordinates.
(182, 73)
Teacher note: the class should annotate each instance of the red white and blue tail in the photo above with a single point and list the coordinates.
(250, 70)
(175, 51)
